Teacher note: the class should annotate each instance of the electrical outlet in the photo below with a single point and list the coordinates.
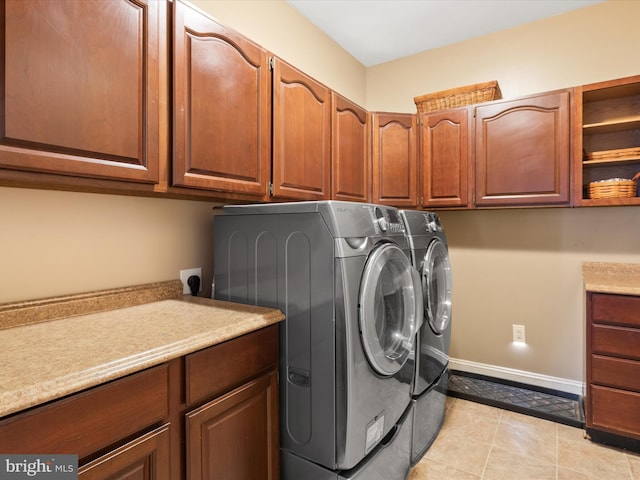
(184, 276)
(518, 333)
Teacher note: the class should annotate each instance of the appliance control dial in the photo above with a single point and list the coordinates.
(381, 220)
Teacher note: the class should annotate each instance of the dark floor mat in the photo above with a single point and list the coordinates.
(555, 406)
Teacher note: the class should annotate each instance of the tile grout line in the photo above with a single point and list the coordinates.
(493, 439)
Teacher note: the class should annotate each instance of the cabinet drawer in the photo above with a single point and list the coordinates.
(616, 411)
(615, 372)
(222, 367)
(615, 309)
(619, 341)
(89, 421)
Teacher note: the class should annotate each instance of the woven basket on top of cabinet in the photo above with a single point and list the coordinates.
(458, 97)
(614, 188)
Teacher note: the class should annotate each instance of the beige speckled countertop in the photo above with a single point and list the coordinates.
(48, 360)
(621, 278)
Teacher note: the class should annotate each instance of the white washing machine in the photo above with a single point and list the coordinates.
(430, 256)
(341, 274)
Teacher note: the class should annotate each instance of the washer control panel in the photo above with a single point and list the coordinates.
(386, 220)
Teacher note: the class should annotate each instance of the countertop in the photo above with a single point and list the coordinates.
(620, 278)
(50, 359)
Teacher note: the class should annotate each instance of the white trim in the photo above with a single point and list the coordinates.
(555, 383)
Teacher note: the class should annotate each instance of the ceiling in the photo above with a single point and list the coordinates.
(378, 31)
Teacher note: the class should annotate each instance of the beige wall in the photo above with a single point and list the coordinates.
(588, 45)
(510, 266)
(524, 266)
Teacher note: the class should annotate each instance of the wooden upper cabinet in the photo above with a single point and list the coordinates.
(222, 107)
(522, 151)
(445, 158)
(301, 135)
(394, 159)
(350, 159)
(80, 89)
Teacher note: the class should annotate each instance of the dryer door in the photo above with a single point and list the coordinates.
(390, 304)
(436, 286)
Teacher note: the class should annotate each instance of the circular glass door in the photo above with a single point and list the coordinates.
(436, 286)
(387, 309)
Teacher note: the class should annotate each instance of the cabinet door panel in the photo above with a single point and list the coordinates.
(236, 435)
(522, 151)
(394, 158)
(445, 159)
(145, 458)
(81, 88)
(301, 135)
(350, 172)
(222, 107)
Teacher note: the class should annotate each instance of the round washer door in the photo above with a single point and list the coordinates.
(436, 286)
(388, 309)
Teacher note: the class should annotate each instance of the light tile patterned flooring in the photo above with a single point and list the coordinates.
(479, 442)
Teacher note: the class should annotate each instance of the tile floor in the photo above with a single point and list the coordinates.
(479, 442)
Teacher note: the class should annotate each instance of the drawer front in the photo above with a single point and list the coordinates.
(619, 341)
(616, 411)
(615, 309)
(92, 420)
(220, 368)
(615, 372)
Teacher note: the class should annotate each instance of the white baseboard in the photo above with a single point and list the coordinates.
(555, 383)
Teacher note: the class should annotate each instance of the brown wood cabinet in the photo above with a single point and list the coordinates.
(350, 151)
(394, 159)
(522, 151)
(301, 135)
(445, 154)
(80, 90)
(606, 137)
(613, 366)
(222, 402)
(222, 107)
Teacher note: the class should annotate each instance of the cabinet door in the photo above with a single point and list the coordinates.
(301, 135)
(394, 159)
(522, 151)
(350, 172)
(222, 107)
(80, 89)
(445, 158)
(145, 457)
(236, 435)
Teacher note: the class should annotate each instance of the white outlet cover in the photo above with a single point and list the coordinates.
(184, 276)
(518, 333)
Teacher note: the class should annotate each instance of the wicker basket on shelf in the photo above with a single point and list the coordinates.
(614, 188)
(458, 97)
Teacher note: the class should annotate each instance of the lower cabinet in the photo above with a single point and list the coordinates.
(613, 368)
(210, 414)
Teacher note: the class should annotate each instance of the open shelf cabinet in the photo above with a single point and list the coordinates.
(607, 137)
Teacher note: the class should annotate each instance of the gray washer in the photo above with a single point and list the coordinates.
(341, 274)
(430, 256)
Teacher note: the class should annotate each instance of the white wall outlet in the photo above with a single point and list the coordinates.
(518, 333)
(184, 276)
